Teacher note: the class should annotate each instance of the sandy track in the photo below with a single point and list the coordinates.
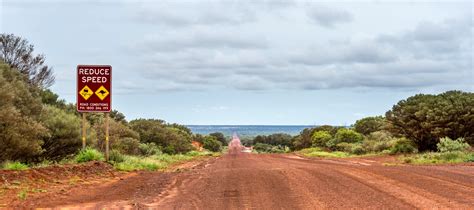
(248, 181)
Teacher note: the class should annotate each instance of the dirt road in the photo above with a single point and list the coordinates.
(250, 181)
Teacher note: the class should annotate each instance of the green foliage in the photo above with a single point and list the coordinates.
(155, 162)
(437, 158)
(89, 154)
(219, 137)
(317, 152)
(127, 145)
(261, 147)
(172, 138)
(369, 124)
(212, 144)
(304, 140)
(119, 133)
(64, 133)
(276, 139)
(320, 138)
(427, 118)
(20, 108)
(149, 149)
(344, 135)
(358, 149)
(116, 157)
(403, 145)
(16, 166)
(448, 145)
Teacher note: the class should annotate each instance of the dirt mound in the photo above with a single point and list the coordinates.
(17, 186)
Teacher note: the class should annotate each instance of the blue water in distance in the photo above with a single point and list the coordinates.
(248, 130)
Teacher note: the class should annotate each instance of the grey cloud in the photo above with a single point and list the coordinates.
(404, 61)
(200, 40)
(328, 17)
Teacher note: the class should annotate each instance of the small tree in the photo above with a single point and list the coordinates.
(18, 53)
(320, 138)
(220, 137)
(211, 144)
(369, 124)
(345, 135)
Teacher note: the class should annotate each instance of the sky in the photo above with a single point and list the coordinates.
(256, 62)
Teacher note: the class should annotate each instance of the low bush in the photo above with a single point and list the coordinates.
(320, 138)
(89, 154)
(17, 166)
(212, 144)
(127, 145)
(318, 152)
(149, 149)
(116, 157)
(403, 145)
(448, 145)
(437, 157)
(344, 135)
(358, 149)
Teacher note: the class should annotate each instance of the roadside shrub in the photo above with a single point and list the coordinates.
(261, 147)
(380, 136)
(446, 144)
(212, 144)
(358, 149)
(16, 166)
(149, 149)
(65, 135)
(116, 157)
(403, 145)
(344, 146)
(127, 145)
(368, 125)
(89, 154)
(320, 138)
(344, 135)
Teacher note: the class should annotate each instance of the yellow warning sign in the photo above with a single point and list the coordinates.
(86, 92)
(102, 92)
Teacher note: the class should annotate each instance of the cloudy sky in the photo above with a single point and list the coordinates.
(253, 62)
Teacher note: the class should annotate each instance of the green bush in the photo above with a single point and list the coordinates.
(212, 144)
(65, 135)
(89, 154)
(358, 149)
(149, 149)
(320, 138)
(444, 157)
(17, 166)
(448, 145)
(116, 157)
(127, 145)
(261, 147)
(368, 125)
(403, 145)
(344, 146)
(344, 135)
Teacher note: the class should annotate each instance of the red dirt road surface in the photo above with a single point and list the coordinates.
(257, 181)
(250, 181)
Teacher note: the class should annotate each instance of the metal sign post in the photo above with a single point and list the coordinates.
(94, 94)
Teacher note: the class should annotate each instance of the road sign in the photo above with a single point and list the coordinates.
(94, 88)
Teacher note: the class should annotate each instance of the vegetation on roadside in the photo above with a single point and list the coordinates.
(37, 128)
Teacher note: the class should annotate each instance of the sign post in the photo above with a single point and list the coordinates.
(94, 94)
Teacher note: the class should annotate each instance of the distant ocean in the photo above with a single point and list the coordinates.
(248, 130)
